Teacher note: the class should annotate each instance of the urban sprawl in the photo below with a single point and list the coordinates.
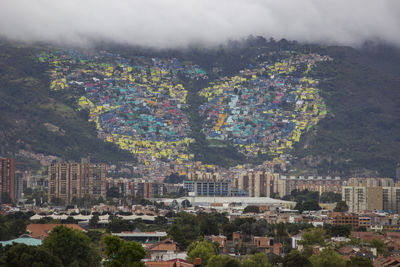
(183, 212)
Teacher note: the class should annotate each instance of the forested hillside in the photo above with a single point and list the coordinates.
(361, 135)
(34, 119)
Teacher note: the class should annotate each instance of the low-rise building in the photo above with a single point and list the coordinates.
(142, 237)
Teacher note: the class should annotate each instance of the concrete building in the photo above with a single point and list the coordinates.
(339, 218)
(147, 190)
(19, 185)
(195, 176)
(7, 178)
(259, 184)
(391, 199)
(370, 182)
(262, 184)
(205, 188)
(207, 184)
(221, 203)
(69, 180)
(315, 184)
(361, 198)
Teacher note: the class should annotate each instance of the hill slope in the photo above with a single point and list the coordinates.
(36, 120)
(361, 135)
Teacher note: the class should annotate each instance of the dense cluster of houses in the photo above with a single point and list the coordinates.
(140, 105)
(265, 108)
(161, 249)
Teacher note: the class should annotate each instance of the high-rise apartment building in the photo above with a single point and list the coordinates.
(262, 184)
(311, 183)
(207, 184)
(7, 178)
(69, 180)
(370, 182)
(147, 190)
(208, 188)
(361, 198)
(391, 199)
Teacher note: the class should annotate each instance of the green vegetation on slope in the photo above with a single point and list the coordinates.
(32, 118)
(361, 135)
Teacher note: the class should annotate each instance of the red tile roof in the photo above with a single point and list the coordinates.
(42, 230)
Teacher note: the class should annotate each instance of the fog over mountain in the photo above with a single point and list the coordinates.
(177, 23)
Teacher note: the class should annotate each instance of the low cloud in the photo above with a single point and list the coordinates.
(177, 23)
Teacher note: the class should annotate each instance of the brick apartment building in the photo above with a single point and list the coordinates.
(7, 178)
(69, 180)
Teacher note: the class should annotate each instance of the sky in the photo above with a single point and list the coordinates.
(180, 23)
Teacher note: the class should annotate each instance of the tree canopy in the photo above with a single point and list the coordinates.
(72, 247)
(295, 258)
(327, 258)
(120, 253)
(223, 261)
(313, 236)
(341, 206)
(256, 260)
(21, 255)
(201, 249)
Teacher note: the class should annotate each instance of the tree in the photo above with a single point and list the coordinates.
(161, 221)
(94, 235)
(223, 261)
(174, 178)
(379, 245)
(5, 198)
(330, 197)
(120, 253)
(118, 225)
(275, 260)
(185, 229)
(57, 201)
(72, 247)
(186, 204)
(112, 192)
(357, 261)
(94, 221)
(201, 249)
(257, 260)
(313, 236)
(295, 258)
(341, 206)
(338, 230)
(327, 258)
(228, 229)
(17, 227)
(308, 205)
(21, 255)
(69, 219)
(251, 209)
(209, 223)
